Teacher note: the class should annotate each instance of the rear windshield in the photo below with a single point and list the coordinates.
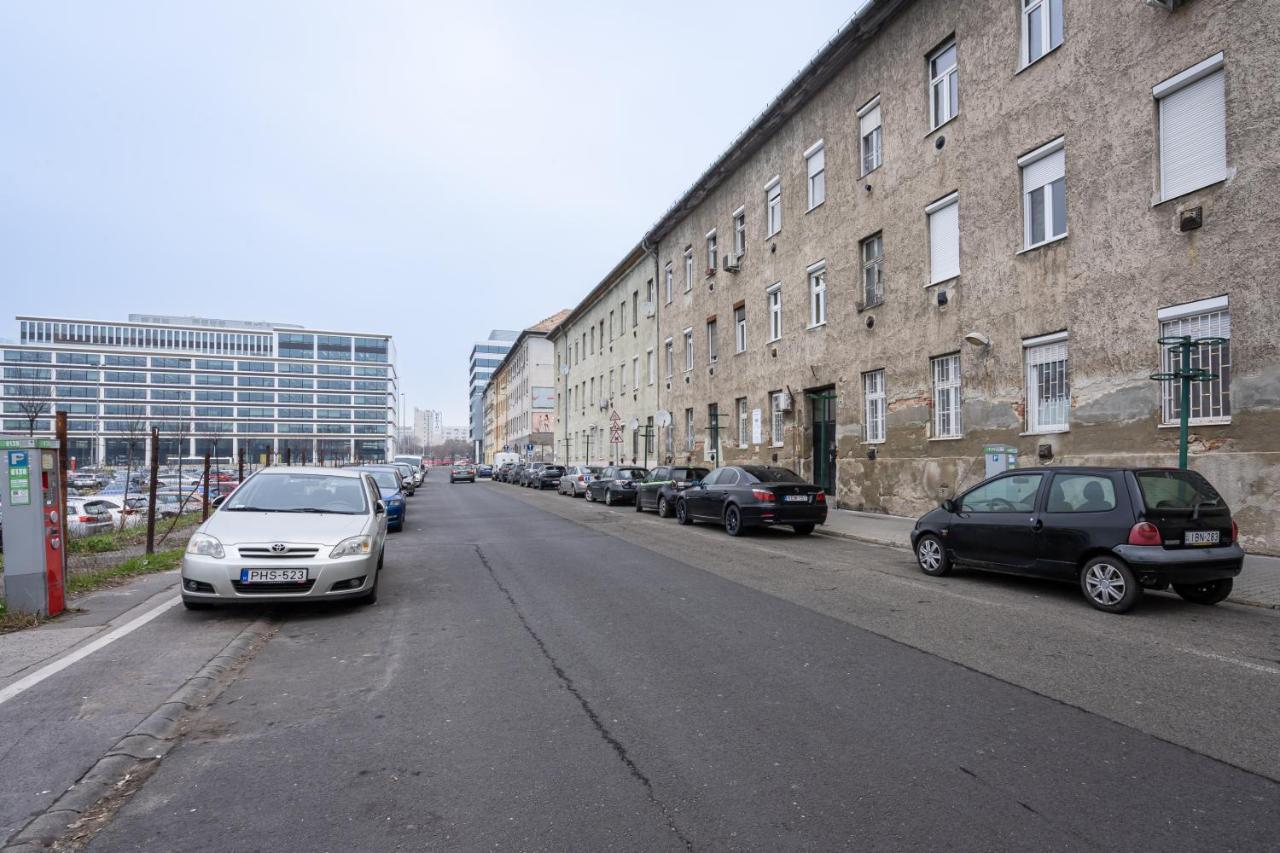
(323, 493)
(553, 469)
(689, 473)
(630, 473)
(771, 474)
(1177, 490)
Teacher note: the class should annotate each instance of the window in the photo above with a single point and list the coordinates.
(817, 294)
(777, 410)
(593, 339)
(712, 254)
(872, 270)
(773, 206)
(815, 162)
(870, 133)
(669, 354)
(622, 318)
(635, 371)
(1041, 28)
(739, 234)
(635, 304)
(744, 421)
(1048, 387)
(773, 299)
(1193, 128)
(649, 366)
(713, 343)
(1081, 493)
(1210, 401)
(668, 275)
(688, 429)
(944, 238)
(740, 328)
(873, 406)
(1016, 493)
(688, 350)
(944, 85)
(1044, 194)
(610, 328)
(945, 370)
(688, 269)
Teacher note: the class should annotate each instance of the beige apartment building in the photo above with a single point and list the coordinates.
(521, 395)
(607, 361)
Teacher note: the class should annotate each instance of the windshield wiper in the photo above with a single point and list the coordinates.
(252, 509)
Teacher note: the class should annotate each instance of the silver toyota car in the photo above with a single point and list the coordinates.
(288, 534)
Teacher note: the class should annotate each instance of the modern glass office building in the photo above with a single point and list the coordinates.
(209, 386)
(486, 355)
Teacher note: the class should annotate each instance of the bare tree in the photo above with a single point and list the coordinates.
(135, 433)
(33, 403)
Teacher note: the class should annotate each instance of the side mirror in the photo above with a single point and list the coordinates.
(950, 505)
(379, 508)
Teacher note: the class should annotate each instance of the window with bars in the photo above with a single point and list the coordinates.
(1048, 384)
(778, 414)
(1210, 401)
(874, 406)
(872, 270)
(744, 422)
(945, 370)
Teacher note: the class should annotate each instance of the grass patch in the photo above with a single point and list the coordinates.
(102, 543)
(18, 620)
(161, 561)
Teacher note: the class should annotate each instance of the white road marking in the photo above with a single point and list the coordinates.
(1225, 659)
(24, 684)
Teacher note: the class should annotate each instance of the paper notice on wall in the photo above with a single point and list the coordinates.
(756, 428)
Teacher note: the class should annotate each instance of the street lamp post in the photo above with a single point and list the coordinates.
(1181, 346)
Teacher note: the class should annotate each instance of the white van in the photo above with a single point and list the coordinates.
(504, 458)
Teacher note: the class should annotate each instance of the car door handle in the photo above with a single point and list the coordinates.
(1037, 525)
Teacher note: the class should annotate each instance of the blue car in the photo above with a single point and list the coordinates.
(392, 493)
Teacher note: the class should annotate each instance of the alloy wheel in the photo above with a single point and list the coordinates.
(929, 553)
(1105, 584)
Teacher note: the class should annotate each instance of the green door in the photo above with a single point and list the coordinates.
(822, 408)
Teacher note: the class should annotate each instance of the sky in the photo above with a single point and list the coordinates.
(428, 170)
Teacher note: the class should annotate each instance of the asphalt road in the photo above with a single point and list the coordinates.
(541, 674)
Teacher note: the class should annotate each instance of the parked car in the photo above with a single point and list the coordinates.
(484, 471)
(744, 496)
(616, 484)
(501, 472)
(1113, 531)
(87, 516)
(123, 515)
(663, 485)
(530, 475)
(575, 478)
(516, 472)
(407, 475)
(548, 477)
(462, 473)
(391, 491)
(288, 534)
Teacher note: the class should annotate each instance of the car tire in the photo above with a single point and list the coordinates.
(196, 605)
(1109, 584)
(803, 529)
(639, 508)
(608, 498)
(733, 521)
(371, 597)
(932, 557)
(1209, 592)
(587, 494)
(682, 513)
(664, 509)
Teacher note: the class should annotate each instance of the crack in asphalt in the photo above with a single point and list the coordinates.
(619, 749)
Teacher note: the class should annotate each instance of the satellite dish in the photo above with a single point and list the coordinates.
(663, 418)
(635, 423)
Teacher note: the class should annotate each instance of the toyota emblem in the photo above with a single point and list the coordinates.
(279, 548)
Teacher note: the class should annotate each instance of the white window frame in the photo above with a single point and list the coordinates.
(773, 304)
(669, 346)
(690, 435)
(713, 253)
(669, 281)
(740, 329)
(817, 277)
(938, 276)
(870, 136)
(739, 234)
(713, 341)
(635, 372)
(650, 365)
(815, 167)
(873, 407)
(743, 411)
(944, 76)
(1203, 318)
(688, 349)
(688, 269)
(773, 206)
(1036, 353)
(872, 268)
(944, 374)
(777, 420)
(1047, 9)
(1206, 78)
(1044, 169)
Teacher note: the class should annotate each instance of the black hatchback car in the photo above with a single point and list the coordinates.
(663, 485)
(616, 484)
(741, 497)
(1114, 531)
(548, 477)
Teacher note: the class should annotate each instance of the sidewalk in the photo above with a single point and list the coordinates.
(1258, 584)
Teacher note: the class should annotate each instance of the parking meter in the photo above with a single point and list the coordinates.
(34, 553)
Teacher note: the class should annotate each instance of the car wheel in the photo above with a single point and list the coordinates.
(664, 510)
(639, 508)
(371, 597)
(1209, 592)
(608, 498)
(803, 529)
(587, 495)
(682, 513)
(1109, 584)
(196, 605)
(932, 557)
(733, 521)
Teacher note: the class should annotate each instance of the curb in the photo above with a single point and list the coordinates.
(138, 752)
(870, 540)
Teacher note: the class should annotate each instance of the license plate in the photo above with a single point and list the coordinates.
(1202, 537)
(273, 575)
(800, 499)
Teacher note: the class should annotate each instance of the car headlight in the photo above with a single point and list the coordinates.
(353, 547)
(205, 546)
(393, 502)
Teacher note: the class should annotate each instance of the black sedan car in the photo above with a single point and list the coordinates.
(515, 474)
(741, 497)
(500, 473)
(616, 484)
(663, 485)
(1113, 531)
(548, 477)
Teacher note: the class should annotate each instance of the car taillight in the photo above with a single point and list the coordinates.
(764, 495)
(1145, 533)
(1235, 531)
(87, 518)
(820, 498)
(581, 479)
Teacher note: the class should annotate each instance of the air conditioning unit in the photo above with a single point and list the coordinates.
(784, 402)
(731, 263)
(604, 404)
(647, 309)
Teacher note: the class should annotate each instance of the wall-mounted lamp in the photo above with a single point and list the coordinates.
(977, 339)
(942, 298)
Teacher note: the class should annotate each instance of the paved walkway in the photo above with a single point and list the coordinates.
(1258, 584)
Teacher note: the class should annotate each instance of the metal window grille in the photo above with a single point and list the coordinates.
(744, 423)
(946, 396)
(1048, 387)
(779, 423)
(1210, 401)
(873, 392)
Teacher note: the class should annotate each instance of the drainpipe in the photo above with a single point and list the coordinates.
(652, 251)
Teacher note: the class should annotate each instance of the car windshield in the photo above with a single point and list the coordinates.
(630, 474)
(689, 473)
(291, 492)
(1178, 490)
(771, 474)
(385, 480)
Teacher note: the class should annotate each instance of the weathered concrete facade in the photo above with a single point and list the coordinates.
(1122, 266)
(522, 395)
(607, 361)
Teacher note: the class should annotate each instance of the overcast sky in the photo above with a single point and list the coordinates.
(431, 170)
